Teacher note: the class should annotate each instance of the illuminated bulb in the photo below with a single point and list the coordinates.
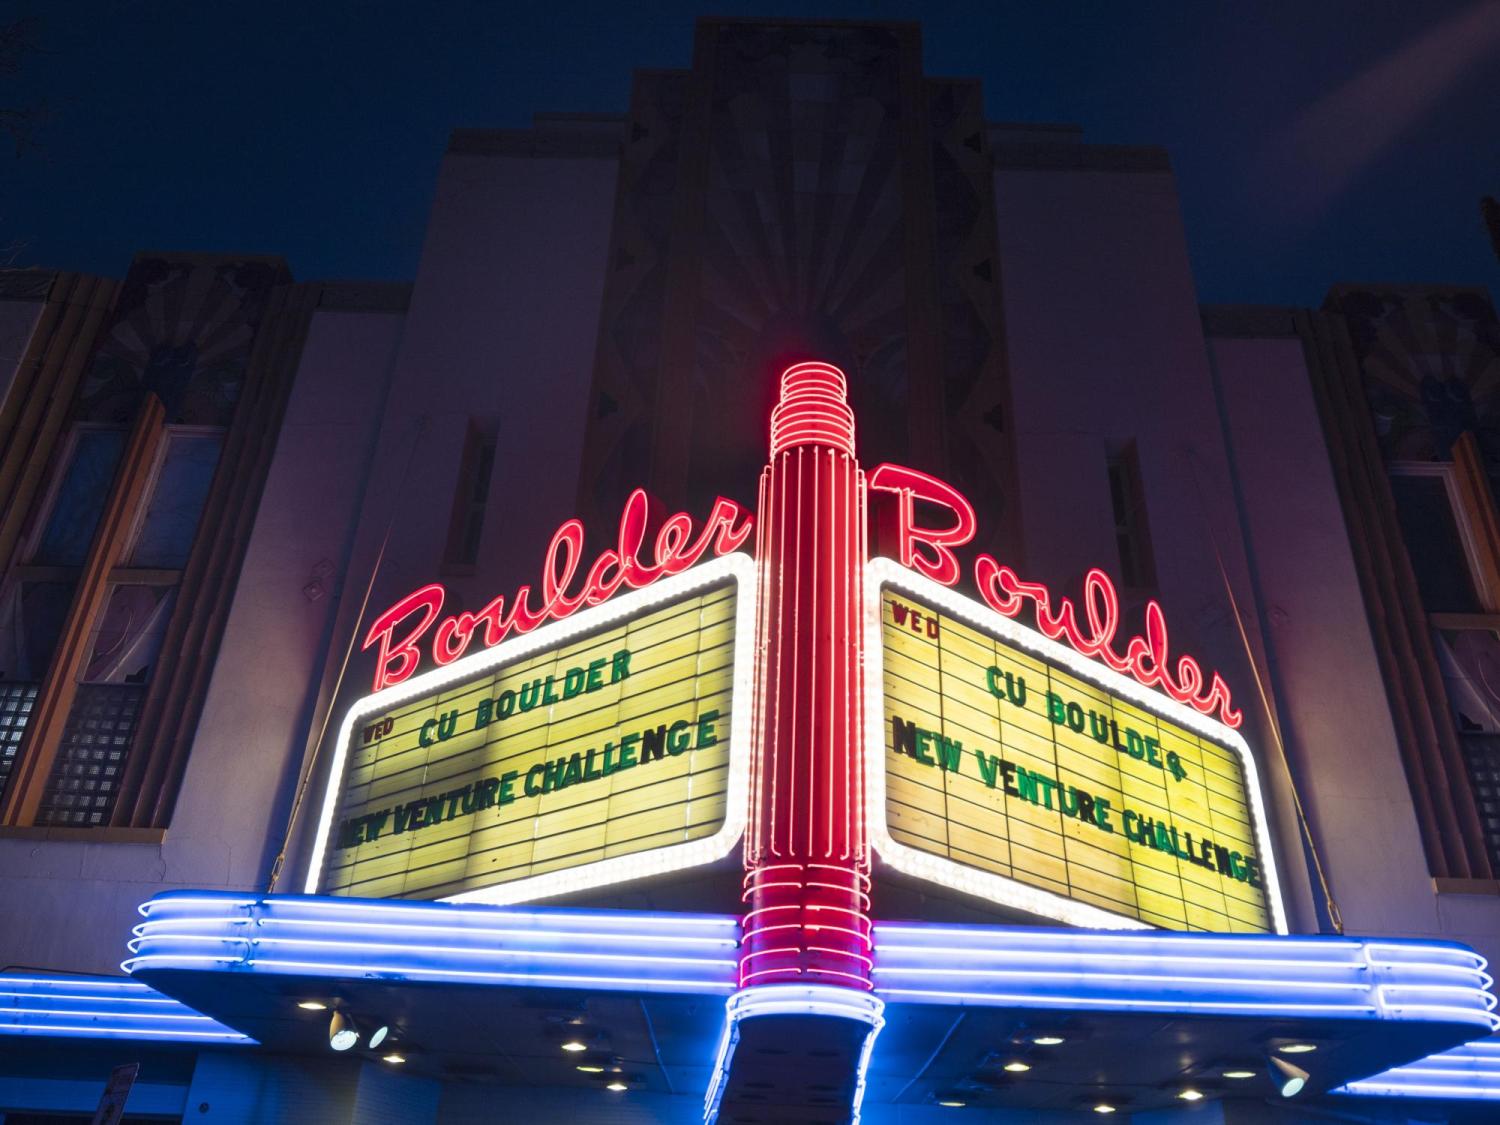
(1297, 1048)
(1239, 1074)
(312, 1005)
(953, 1105)
(1191, 1095)
(1104, 1107)
(377, 1037)
(395, 1058)
(617, 1086)
(342, 1034)
(575, 1046)
(1289, 1079)
(1017, 1067)
(587, 1069)
(1053, 1041)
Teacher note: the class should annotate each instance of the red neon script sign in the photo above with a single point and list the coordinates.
(726, 529)
(929, 551)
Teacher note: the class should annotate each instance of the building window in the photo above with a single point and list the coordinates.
(136, 474)
(31, 620)
(1435, 537)
(127, 635)
(91, 756)
(16, 701)
(1482, 758)
(1470, 662)
(1132, 533)
(470, 498)
(74, 508)
(170, 523)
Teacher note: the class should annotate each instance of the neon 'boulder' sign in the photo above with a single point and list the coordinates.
(625, 565)
(929, 551)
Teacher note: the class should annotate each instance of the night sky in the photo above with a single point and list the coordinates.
(1313, 142)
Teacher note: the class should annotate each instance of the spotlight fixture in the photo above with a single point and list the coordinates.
(574, 1045)
(342, 1034)
(378, 1036)
(1287, 1077)
(312, 1005)
(1297, 1048)
(1191, 1095)
(1237, 1073)
(1016, 1066)
(617, 1086)
(589, 1068)
(1103, 1107)
(951, 1104)
(1050, 1041)
(394, 1058)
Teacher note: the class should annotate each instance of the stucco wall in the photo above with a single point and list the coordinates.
(501, 329)
(1327, 676)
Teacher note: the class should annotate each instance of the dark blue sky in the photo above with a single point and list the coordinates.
(1313, 142)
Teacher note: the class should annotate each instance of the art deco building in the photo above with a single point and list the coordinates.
(737, 825)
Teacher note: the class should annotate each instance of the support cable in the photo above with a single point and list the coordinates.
(1267, 704)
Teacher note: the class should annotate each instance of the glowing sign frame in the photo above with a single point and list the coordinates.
(881, 573)
(738, 568)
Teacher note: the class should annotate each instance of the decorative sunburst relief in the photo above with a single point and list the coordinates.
(183, 328)
(1430, 367)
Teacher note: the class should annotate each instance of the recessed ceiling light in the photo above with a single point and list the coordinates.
(953, 1104)
(1297, 1048)
(1104, 1107)
(1049, 1041)
(312, 1005)
(575, 1045)
(587, 1068)
(617, 1086)
(1191, 1095)
(395, 1058)
(1016, 1066)
(1238, 1073)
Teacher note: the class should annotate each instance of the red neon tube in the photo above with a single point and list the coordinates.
(807, 862)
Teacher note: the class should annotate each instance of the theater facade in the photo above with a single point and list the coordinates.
(795, 614)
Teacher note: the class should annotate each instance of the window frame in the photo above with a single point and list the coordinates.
(1125, 462)
(124, 572)
(1485, 592)
(42, 511)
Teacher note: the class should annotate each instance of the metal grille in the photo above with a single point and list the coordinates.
(16, 701)
(92, 756)
(1482, 754)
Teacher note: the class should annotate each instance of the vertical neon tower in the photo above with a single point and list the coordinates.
(807, 863)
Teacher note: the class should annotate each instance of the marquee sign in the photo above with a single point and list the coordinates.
(597, 727)
(1004, 765)
(607, 747)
